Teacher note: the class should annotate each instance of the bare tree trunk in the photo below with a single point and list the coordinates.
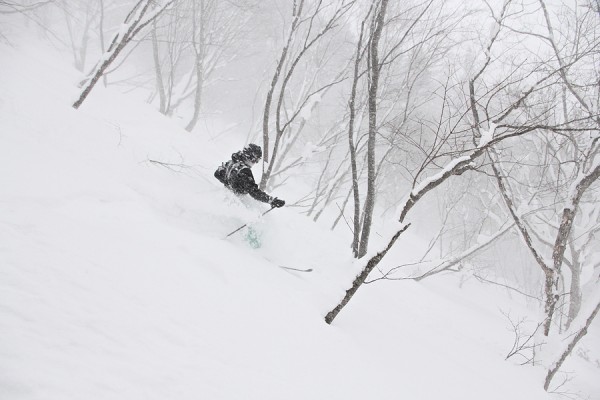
(160, 85)
(296, 12)
(351, 145)
(309, 41)
(199, 49)
(374, 71)
(575, 297)
(79, 19)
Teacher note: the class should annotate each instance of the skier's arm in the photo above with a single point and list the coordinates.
(247, 180)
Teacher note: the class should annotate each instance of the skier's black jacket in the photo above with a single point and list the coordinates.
(237, 176)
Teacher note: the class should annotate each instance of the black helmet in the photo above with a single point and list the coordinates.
(252, 152)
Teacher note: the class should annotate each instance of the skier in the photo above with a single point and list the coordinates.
(236, 175)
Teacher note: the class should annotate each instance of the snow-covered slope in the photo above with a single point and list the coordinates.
(117, 282)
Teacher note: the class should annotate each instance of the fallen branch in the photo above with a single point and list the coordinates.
(448, 264)
(482, 279)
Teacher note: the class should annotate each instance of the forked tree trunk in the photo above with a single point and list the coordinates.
(584, 181)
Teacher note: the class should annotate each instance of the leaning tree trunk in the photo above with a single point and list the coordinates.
(576, 337)
(360, 279)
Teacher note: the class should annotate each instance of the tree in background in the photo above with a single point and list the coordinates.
(8, 7)
(503, 120)
(140, 16)
(310, 24)
(194, 39)
(382, 100)
(81, 19)
(565, 175)
(510, 113)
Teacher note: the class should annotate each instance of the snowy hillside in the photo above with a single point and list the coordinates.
(117, 281)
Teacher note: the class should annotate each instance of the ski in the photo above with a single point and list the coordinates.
(296, 269)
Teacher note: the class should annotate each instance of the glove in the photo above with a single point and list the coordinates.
(277, 202)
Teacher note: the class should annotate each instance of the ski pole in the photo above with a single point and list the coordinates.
(243, 226)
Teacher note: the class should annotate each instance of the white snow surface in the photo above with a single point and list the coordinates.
(117, 282)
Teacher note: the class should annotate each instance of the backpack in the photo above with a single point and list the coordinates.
(227, 172)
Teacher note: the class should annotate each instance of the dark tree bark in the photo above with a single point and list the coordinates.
(374, 68)
(351, 144)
